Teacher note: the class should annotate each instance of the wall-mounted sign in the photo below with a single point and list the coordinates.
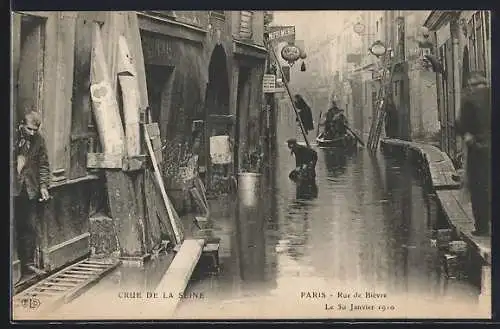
(282, 32)
(290, 53)
(269, 83)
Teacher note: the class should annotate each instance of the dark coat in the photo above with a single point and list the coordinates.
(305, 155)
(475, 118)
(305, 114)
(36, 171)
(391, 120)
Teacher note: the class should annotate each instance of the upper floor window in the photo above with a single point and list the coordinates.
(218, 14)
(246, 18)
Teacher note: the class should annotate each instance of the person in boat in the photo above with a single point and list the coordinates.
(305, 113)
(305, 161)
(335, 122)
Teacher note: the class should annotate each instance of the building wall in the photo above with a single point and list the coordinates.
(57, 53)
(453, 35)
(62, 69)
(424, 120)
(188, 95)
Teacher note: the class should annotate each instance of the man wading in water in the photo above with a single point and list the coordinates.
(305, 161)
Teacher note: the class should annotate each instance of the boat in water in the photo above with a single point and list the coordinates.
(347, 141)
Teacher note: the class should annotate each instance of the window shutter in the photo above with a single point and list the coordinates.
(246, 24)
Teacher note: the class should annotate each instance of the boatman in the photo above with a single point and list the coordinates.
(305, 161)
(335, 122)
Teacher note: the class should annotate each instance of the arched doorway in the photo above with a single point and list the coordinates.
(218, 120)
(217, 95)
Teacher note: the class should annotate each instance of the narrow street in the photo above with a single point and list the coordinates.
(367, 230)
(154, 180)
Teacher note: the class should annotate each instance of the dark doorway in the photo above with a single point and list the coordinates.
(219, 122)
(30, 78)
(242, 102)
(218, 83)
(28, 95)
(159, 81)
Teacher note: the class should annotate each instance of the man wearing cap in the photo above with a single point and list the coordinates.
(474, 126)
(305, 160)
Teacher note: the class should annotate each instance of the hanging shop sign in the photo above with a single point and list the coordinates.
(290, 53)
(359, 28)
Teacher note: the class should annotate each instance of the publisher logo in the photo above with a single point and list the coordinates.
(30, 303)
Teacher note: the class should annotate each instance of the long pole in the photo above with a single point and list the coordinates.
(289, 94)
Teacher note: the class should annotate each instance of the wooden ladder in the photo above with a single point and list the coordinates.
(378, 121)
(60, 288)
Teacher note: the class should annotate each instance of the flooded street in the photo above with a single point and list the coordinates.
(358, 244)
(367, 230)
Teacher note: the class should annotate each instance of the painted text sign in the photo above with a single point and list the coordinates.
(290, 30)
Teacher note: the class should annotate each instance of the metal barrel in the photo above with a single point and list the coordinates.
(249, 188)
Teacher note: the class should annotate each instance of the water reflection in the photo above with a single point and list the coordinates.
(251, 243)
(335, 160)
(306, 190)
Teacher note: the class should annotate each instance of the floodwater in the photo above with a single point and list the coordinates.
(366, 231)
(357, 245)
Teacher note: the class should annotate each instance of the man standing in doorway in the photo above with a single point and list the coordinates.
(30, 186)
(474, 126)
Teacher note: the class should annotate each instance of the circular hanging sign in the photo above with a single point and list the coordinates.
(359, 28)
(378, 48)
(290, 53)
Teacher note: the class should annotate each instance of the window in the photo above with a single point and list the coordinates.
(246, 18)
(218, 14)
(444, 85)
(479, 37)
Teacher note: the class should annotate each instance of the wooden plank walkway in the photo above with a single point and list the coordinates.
(458, 211)
(178, 274)
(440, 166)
(459, 216)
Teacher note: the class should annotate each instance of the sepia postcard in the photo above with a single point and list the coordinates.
(223, 165)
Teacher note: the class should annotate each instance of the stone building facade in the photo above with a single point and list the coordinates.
(461, 42)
